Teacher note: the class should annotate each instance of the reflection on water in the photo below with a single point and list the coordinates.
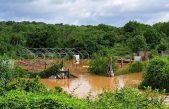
(120, 82)
(92, 84)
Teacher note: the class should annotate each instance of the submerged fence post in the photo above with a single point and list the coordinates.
(110, 69)
(121, 63)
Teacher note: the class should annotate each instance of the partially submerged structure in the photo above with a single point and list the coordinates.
(38, 59)
(144, 55)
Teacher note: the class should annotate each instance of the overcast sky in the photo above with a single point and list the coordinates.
(85, 12)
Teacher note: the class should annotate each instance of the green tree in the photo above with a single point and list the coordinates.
(163, 46)
(137, 43)
(162, 27)
(17, 39)
(133, 28)
(18, 27)
(109, 39)
(152, 38)
(37, 39)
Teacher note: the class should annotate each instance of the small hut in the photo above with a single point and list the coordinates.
(143, 54)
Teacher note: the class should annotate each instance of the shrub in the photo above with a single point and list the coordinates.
(132, 68)
(99, 65)
(8, 70)
(17, 99)
(29, 85)
(153, 54)
(136, 67)
(128, 98)
(122, 71)
(120, 99)
(58, 89)
(7, 73)
(157, 74)
(53, 70)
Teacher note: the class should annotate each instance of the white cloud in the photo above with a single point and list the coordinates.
(161, 17)
(85, 11)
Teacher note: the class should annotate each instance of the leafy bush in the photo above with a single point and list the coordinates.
(122, 71)
(17, 99)
(28, 85)
(7, 73)
(132, 68)
(120, 99)
(30, 93)
(153, 53)
(8, 70)
(128, 98)
(136, 67)
(53, 70)
(23, 73)
(157, 74)
(99, 65)
(58, 89)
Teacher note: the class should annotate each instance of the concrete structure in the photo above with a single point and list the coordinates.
(144, 54)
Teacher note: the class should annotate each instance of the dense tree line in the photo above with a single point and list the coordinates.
(133, 36)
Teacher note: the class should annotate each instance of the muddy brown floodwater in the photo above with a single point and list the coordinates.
(87, 84)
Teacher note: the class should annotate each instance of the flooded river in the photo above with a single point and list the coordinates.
(87, 84)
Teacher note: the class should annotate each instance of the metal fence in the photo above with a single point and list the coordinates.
(37, 59)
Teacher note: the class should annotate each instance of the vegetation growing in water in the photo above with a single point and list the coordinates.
(136, 67)
(99, 65)
(53, 70)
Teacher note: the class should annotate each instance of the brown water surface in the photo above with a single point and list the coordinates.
(86, 83)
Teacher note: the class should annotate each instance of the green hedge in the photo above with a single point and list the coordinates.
(157, 74)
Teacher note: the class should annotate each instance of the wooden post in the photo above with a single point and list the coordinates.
(110, 69)
(45, 65)
(45, 62)
(68, 74)
(121, 62)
